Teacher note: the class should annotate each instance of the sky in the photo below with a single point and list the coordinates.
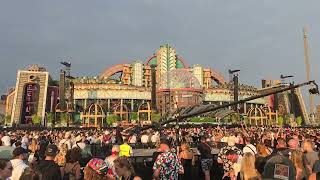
(262, 38)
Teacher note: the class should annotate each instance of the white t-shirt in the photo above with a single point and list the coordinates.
(133, 139)
(155, 138)
(144, 139)
(24, 142)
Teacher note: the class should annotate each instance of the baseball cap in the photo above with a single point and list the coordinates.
(51, 150)
(18, 151)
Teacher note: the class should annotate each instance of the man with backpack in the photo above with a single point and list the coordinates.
(48, 168)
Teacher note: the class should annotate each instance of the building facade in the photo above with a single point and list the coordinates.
(124, 90)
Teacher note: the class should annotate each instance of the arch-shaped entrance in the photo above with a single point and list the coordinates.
(271, 115)
(93, 116)
(257, 115)
(122, 111)
(144, 109)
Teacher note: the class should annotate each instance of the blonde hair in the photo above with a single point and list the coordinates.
(296, 158)
(89, 173)
(185, 146)
(248, 168)
(262, 150)
(115, 148)
(123, 162)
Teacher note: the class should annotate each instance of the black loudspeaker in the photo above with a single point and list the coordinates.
(32, 78)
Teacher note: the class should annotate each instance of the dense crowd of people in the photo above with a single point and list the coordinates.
(240, 152)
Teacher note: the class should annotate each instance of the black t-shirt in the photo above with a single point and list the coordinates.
(205, 150)
(49, 170)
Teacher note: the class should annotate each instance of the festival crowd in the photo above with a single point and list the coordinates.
(245, 153)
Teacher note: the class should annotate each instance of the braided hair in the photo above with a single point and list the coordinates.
(124, 162)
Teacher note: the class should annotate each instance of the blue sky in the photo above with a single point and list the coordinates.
(263, 38)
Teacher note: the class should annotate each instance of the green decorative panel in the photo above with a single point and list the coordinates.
(153, 61)
(179, 64)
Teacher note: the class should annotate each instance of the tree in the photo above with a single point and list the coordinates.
(134, 116)
(299, 120)
(280, 120)
(36, 119)
(155, 117)
(7, 119)
(286, 119)
(112, 118)
(50, 117)
(64, 118)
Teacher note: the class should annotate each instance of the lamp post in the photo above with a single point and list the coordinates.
(66, 90)
(235, 79)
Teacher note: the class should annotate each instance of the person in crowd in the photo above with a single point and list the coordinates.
(316, 166)
(124, 169)
(97, 169)
(71, 170)
(33, 149)
(301, 171)
(248, 170)
(167, 165)
(19, 156)
(66, 140)
(144, 140)
(79, 142)
(261, 157)
(279, 167)
(25, 141)
(17, 144)
(155, 138)
(310, 155)
(125, 149)
(43, 143)
(293, 145)
(60, 158)
(133, 139)
(187, 159)
(206, 157)
(5, 169)
(31, 174)
(6, 149)
(47, 167)
(86, 154)
(249, 147)
(281, 147)
(118, 136)
(110, 159)
(268, 144)
(222, 156)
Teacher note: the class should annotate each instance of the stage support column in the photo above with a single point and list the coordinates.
(245, 108)
(121, 108)
(132, 107)
(85, 103)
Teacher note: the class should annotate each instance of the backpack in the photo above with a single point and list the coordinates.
(70, 175)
